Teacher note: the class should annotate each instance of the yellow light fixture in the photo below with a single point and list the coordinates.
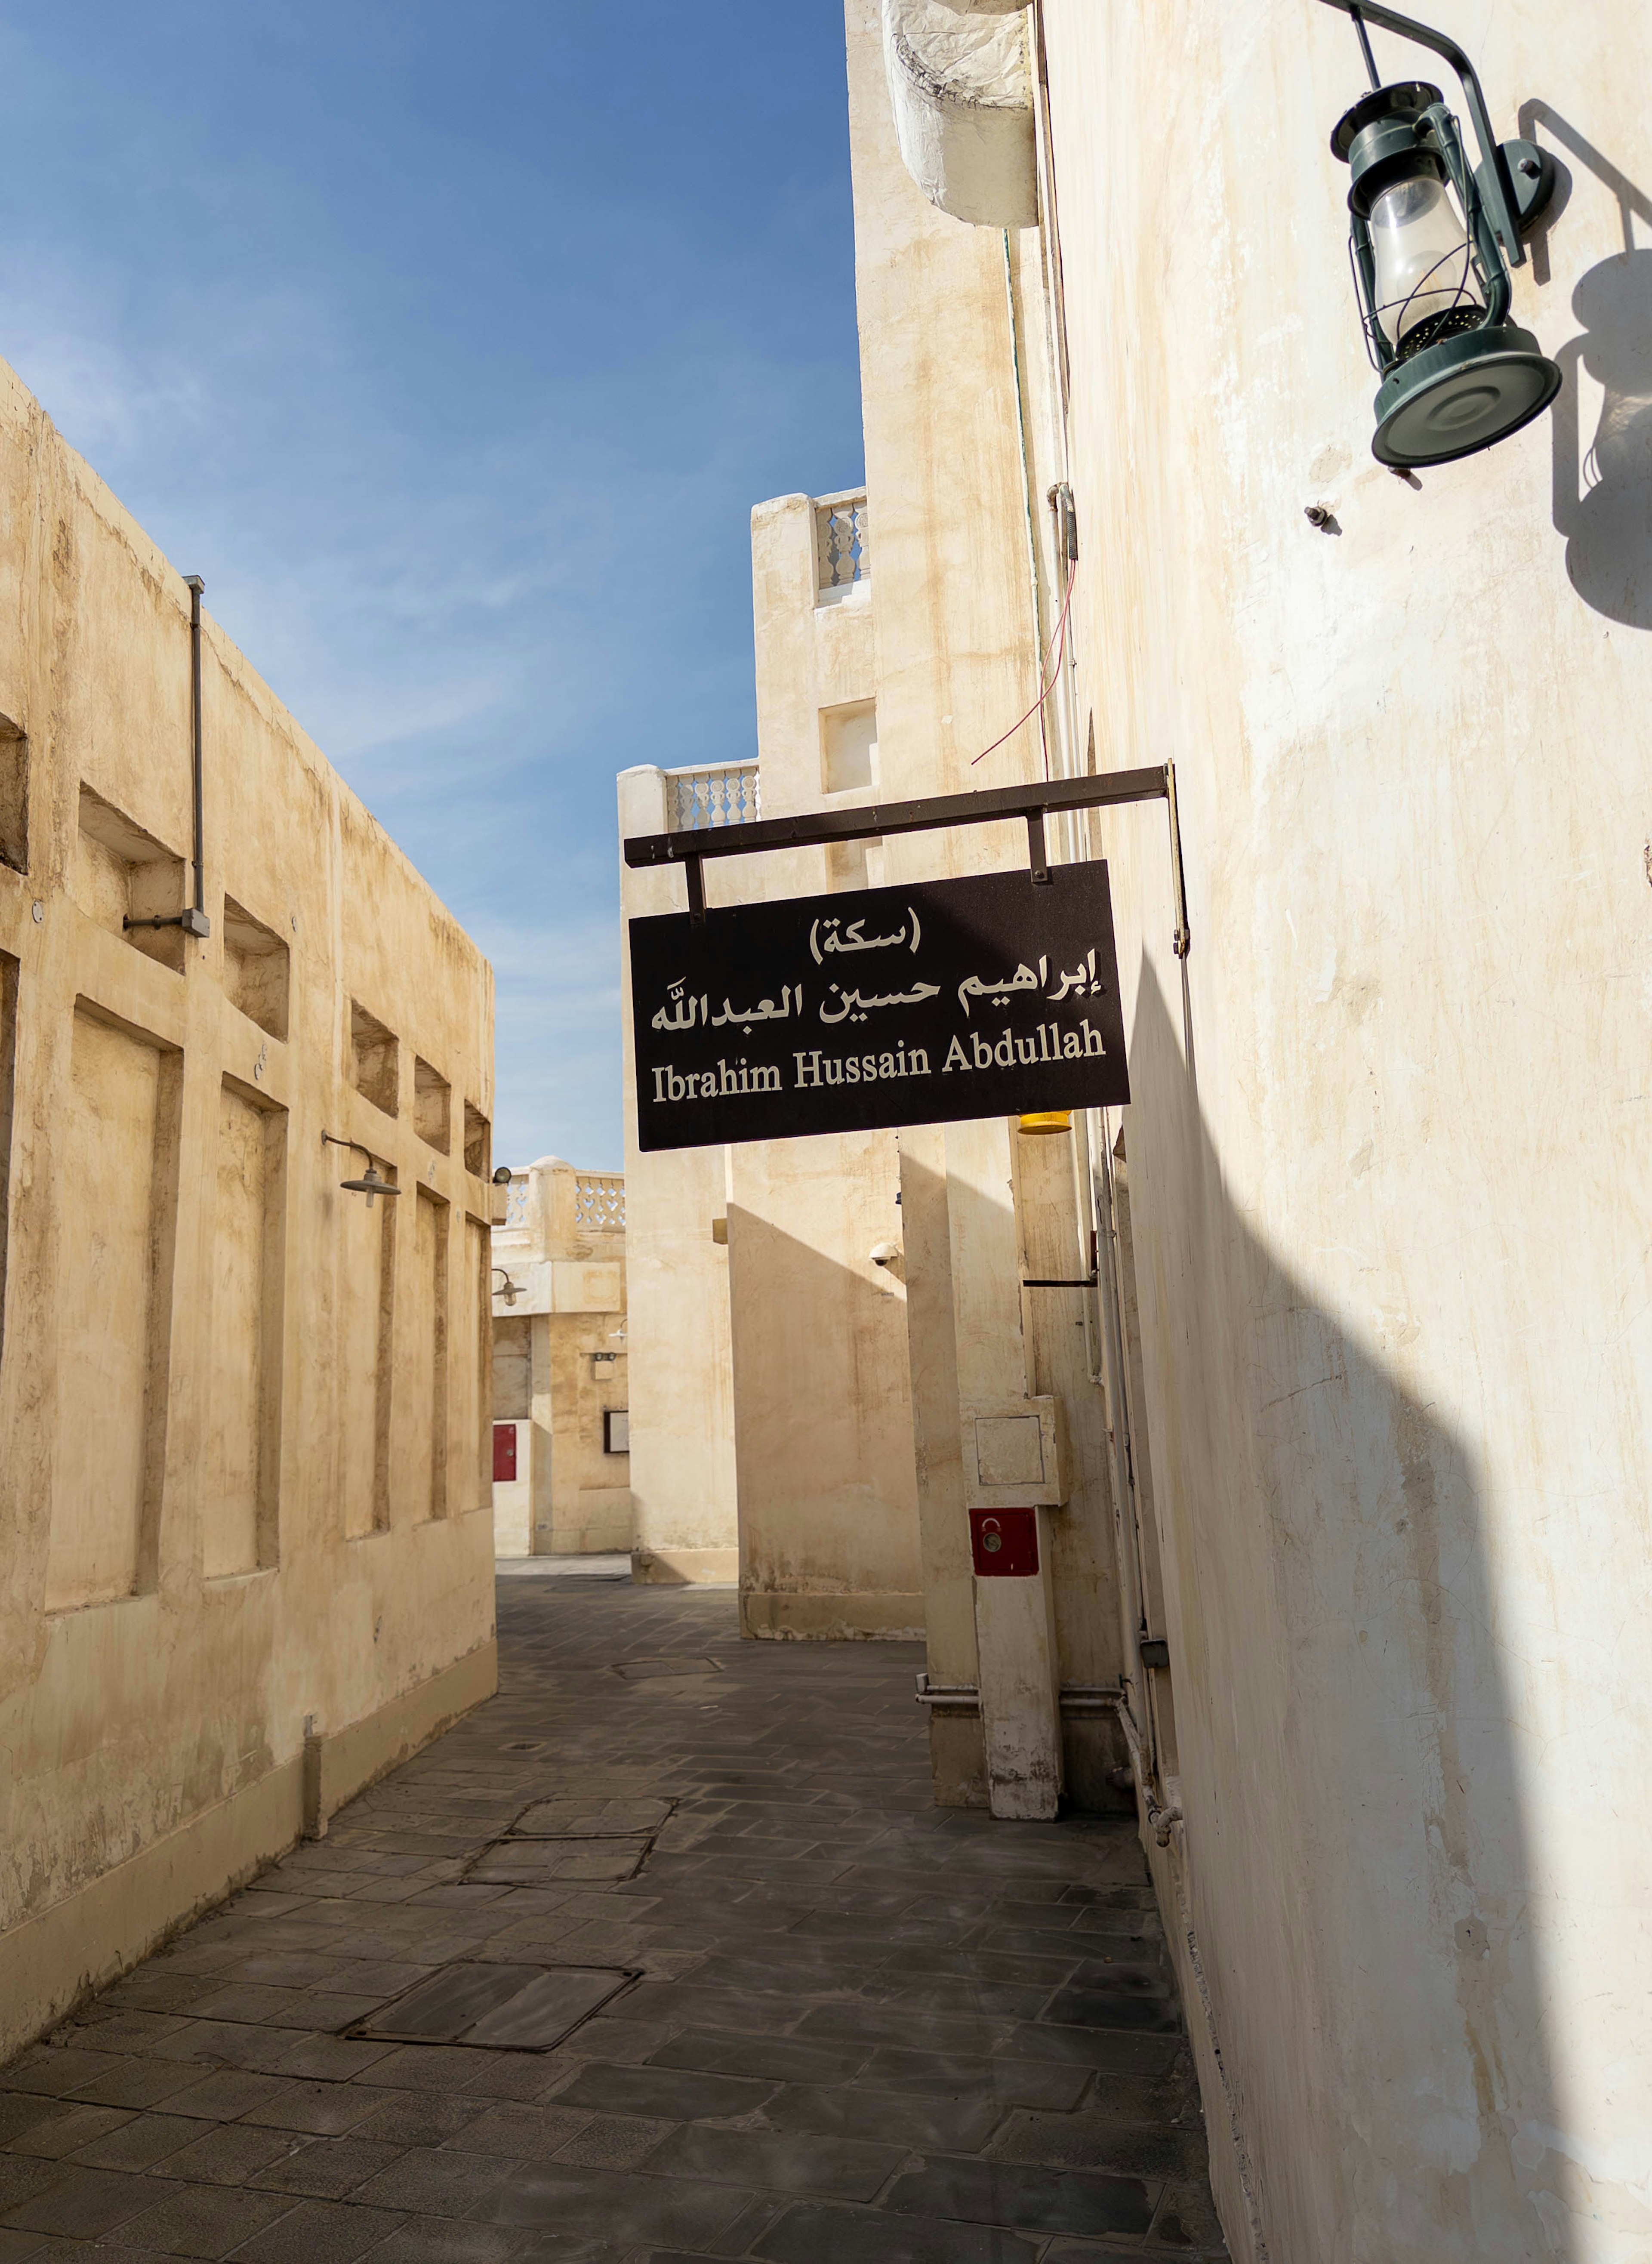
(1048, 1120)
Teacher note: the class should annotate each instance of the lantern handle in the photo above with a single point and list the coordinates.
(1495, 181)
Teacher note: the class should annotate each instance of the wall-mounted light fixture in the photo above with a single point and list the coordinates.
(511, 1290)
(369, 1184)
(502, 1175)
(1432, 242)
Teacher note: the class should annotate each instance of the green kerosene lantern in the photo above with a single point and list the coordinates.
(1432, 242)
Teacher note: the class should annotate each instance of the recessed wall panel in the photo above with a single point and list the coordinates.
(470, 1467)
(116, 1197)
(427, 1340)
(239, 1514)
(367, 1313)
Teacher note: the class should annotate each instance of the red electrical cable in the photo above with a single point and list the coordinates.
(1058, 643)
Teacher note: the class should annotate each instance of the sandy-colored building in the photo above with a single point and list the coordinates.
(794, 1387)
(562, 1465)
(1350, 1547)
(245, 1539)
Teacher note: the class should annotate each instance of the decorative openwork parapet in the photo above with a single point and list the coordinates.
(843, 541)
(725, 793)
(599, 1203)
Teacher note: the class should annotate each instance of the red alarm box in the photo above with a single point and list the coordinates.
(1004, 1542)
(504, 1447)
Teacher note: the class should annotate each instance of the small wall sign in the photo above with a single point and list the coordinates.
(987, 997)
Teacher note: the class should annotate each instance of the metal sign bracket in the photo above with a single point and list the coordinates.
(932, 814)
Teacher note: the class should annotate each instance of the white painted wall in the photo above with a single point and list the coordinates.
(1388, 1151)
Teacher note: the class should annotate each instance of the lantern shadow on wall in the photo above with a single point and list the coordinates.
(1603, 478)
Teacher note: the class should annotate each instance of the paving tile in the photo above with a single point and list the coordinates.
(331, 2059)
(137, 2083)
(15, 2246)
(894, 2118)
(229, 2154)
(614, 2142)
(681, 2095)
(63, 2128)
(1102, 2142)
(21, 2177)
(812, 2233)
(60, 2071)
(419, 2118)
(1111, 2050)
(784, 2059)
(447, 2240)
(229, 2043)
(784, 2161)
(203, 2221)
(1114, 2008)
(456, 2068)
(323, 2169)
(84, 2203)
(225, 2096)
(436, 2182)
(321, 2109)
(1030, 2200)
(966, 2075)
(1186, 2219)
(521, 2132)
(140, 2141)
(21, 2111)
(617, 2206)
(320, 2233)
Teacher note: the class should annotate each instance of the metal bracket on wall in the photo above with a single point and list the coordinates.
(932, 814)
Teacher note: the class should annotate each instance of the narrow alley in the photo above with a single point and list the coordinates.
(664, 1952)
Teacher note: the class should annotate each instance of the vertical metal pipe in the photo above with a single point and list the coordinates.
(194, 584)
(1364, 48)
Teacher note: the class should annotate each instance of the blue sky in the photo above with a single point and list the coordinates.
(452, 347)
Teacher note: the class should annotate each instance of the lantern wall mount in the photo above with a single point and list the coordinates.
(1433, 278)
(370, 1183)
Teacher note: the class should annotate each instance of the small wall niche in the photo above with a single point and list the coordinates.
(849, 747)
(478, 1143)
(375, 1061)
(432, 1107)
(257, 970)
(122, 872)
(14, 796)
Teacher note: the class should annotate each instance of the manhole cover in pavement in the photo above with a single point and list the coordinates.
(508, 2008)
(543, 1862)
(659, 1670)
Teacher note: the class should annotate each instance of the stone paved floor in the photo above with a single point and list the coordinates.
(861, 2029)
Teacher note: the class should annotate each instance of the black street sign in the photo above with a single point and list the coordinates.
(988, 997)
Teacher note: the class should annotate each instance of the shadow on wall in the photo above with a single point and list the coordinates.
(1603, 484)
(1358, 1851)
(826, 1490)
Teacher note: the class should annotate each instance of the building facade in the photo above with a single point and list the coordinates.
(245, 1545)
(1349, 1542)
(562, 1465)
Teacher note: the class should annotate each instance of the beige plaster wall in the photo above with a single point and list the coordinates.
(1386, 1150)
(242, 1485)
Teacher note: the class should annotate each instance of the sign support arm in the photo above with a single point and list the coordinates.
(932, 814)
